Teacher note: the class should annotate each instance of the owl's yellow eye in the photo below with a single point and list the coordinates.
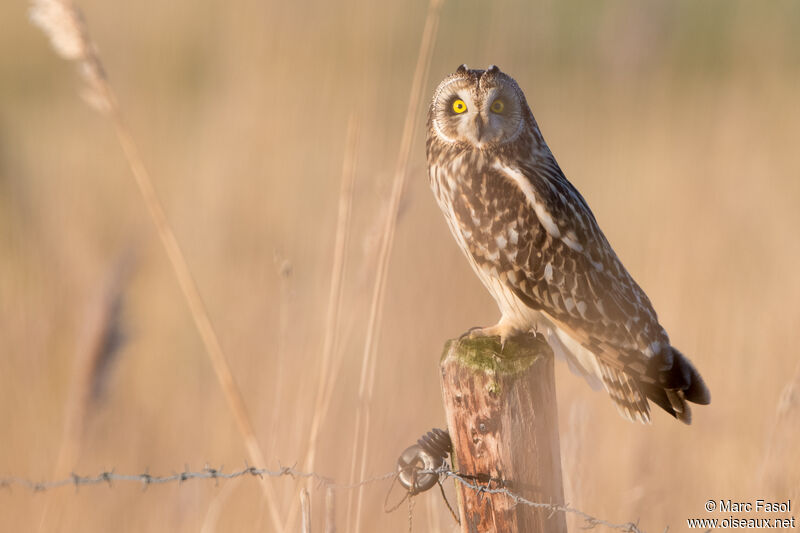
(497, 106)
(459, 106)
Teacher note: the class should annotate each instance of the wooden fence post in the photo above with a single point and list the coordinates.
(503, 422)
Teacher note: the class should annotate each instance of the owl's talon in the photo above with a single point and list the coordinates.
(473, 333)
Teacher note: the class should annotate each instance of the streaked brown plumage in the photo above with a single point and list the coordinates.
(535, 244)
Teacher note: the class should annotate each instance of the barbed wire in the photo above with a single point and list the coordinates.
(589, 520)
(146, 479)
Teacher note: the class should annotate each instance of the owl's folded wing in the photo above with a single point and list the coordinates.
(563, 265)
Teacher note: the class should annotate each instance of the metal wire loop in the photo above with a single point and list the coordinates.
(417, 463)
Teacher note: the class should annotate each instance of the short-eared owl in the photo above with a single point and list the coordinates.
(535, 244)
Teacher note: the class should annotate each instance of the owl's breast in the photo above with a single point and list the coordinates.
(487, 221)
(489, 218)
(487, 214)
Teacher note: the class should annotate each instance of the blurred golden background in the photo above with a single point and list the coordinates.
(678, 121)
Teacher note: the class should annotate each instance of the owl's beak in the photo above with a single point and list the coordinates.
(480, 127)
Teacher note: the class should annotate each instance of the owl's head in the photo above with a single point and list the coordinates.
(483, 109)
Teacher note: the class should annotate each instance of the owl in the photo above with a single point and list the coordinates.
(536, 246)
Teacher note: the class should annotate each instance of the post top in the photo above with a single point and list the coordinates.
(487, 353)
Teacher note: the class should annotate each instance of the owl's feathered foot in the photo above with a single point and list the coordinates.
(501, 329)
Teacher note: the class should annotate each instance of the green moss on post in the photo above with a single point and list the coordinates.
(486, 354)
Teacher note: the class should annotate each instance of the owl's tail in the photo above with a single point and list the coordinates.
(672, 381)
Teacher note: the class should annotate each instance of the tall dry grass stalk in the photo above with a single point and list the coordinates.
(284, 270)
(63, 23)
(305, 505)
(328, 371)
(780, 471)
(327, 375)
(367, 378)
(572, 443)
(214, 509)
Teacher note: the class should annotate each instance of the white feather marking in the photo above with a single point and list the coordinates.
(571, 240)
(548, 272)
(501, 241)
(527, 189)
(601, 308)
(547, 220)
(513, 235)
(582, 307)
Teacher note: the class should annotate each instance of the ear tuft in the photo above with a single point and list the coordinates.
(493, 69)
(462, 69)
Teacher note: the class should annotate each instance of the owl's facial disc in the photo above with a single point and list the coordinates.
(478, 108)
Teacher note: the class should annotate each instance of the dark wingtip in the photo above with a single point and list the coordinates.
(693, 387)
(697, 392)
(675, 381)
(673, 370)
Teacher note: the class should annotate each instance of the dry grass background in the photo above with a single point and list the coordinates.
(678, 121)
